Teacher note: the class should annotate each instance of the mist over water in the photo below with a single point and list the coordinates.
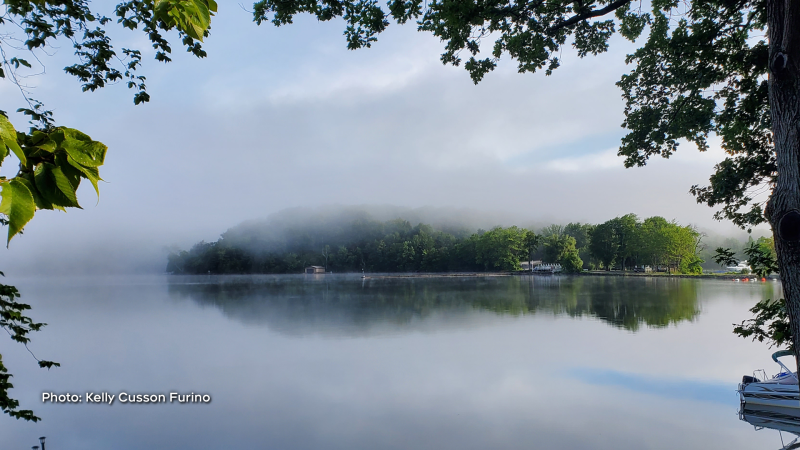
(142, 247)
(344, 362)
(297, 121)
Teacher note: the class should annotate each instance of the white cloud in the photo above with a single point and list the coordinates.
(607, 159)
(300, 121)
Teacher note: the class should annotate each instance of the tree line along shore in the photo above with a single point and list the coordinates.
(357, 242)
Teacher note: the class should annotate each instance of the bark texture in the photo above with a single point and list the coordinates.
(783, 207)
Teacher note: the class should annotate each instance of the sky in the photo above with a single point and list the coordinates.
(286, 117)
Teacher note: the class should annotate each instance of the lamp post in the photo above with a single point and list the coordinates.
(41, 441)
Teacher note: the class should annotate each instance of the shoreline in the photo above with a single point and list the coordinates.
(595, 273)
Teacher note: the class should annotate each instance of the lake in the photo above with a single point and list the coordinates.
(337, 362)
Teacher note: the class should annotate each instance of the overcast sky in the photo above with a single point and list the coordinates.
(285, 117)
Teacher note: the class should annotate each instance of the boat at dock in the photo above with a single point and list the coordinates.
(780, 390)
(742, 267)
(547, 268)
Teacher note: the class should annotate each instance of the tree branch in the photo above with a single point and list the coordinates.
(588, 15)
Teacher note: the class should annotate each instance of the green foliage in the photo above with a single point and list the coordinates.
(582, 232)
(761, 257)
(45, 22)
(603, 244)
(17, 204)
(352, 242)
(625, 230)
(500, 248)
(193, 17)
(561, 250)
(8, 140)
(701, 70)
(699, 73)
(531, 242)
(691, 264)
(552, 230)
(54, 159)
(555, 247)
(654, 241)
(770, 324)
(52, 164)
(532, 33)
(613, 242)
(571, 262)
(13, 320)
(725, 257)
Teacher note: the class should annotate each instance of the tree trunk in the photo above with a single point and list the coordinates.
(783, 207)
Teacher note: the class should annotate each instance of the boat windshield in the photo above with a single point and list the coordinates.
(788, 372)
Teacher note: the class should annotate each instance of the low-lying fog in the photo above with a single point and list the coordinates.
(299, 121)
(141, 248)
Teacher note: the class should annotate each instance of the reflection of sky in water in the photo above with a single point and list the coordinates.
(446, 364)
(668, 387)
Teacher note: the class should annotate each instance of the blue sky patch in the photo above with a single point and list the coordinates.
(569, 149)
(670, 387)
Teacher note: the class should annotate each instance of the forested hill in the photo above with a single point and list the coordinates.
(351, 240)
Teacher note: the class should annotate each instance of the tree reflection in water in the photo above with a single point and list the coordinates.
(348, 305)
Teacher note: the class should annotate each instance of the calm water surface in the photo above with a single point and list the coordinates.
(337, 362)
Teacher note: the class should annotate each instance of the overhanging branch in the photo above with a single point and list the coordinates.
(588, 15)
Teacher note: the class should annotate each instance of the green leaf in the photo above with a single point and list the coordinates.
(16, 62)
(55, 187)
(18, 205)
(43, 141)
(72, 175)
(83, 149)
(8, 136)
(90, 173)
(5, 200)
(3, 151)
(29, 182)
(67, 186)
(193, 17)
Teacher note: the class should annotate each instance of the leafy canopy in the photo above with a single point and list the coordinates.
(52, 164)
(725, 257)
(53, 160)
(625, 241)
(761, 257)
(18, 325)
(770, 323)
